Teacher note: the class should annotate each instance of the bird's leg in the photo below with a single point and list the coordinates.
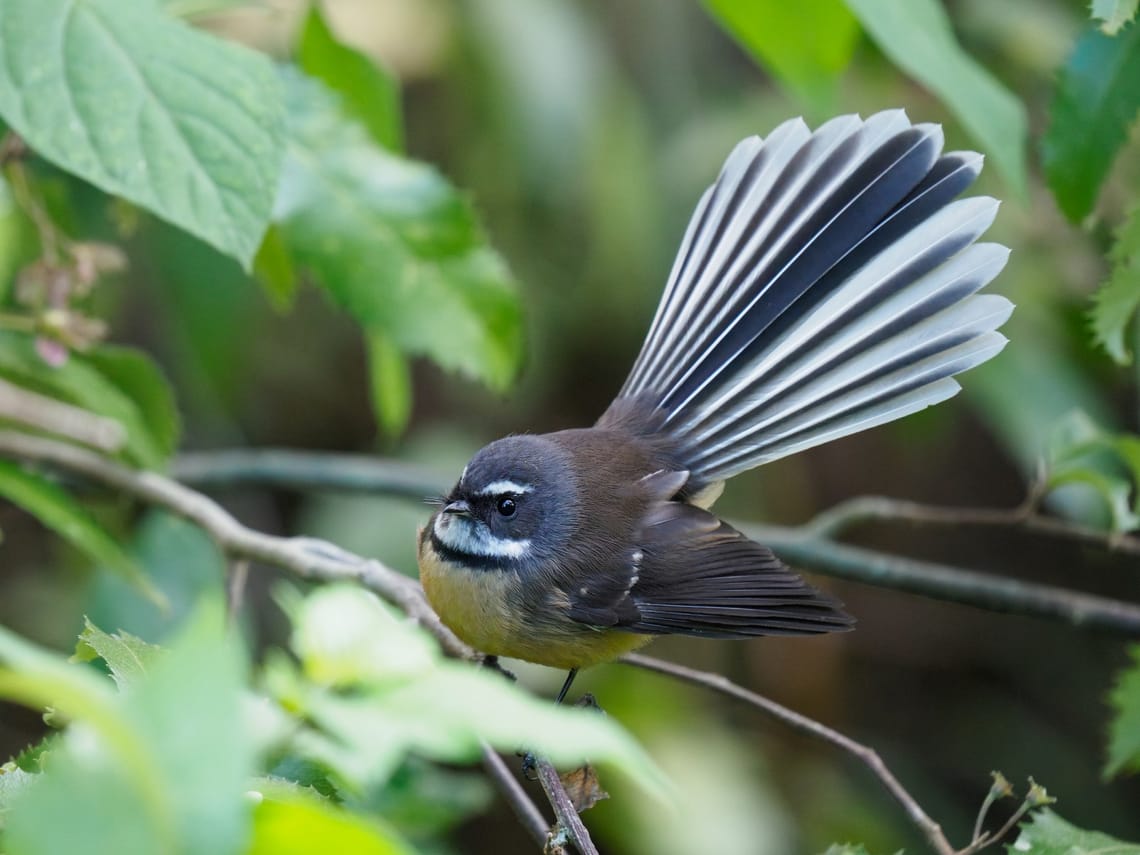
(566, 686)
(528, 762)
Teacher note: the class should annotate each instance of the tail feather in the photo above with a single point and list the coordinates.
(826, 283)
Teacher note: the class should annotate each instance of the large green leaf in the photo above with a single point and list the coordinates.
(1124, 729)
(806, 44)
(57, 510)
(304, 827)
(1095, 102)
(162, 767)
(369, 94)
(405, 698)
(391, 385)
(394, 243)
(1113, 14)
(917, 37)
(12, 780)
(144, 107)
(1116, 303)
(1048, 834)
(185, 565)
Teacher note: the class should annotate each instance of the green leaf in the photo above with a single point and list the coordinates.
(1095, 102)
(161, 768)
(1048, 834)
(303, 827)
(273, 268)
(407, 699)
(78, 381)
(138, 377)
(144, 107)
(394, 243)
(126, 655)
(918, 38)
(369, 94)
(1113, 490)
(189, 712)
(1117, 301)
(1081, 452)
(1124, 729)
(1113, 14)
(13, 779)
(184, 563)
(391, 384)
(806, 44)
(57, 510)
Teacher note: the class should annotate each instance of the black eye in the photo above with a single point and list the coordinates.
(507, 506)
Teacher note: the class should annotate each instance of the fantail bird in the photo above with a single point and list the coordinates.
(827, 283)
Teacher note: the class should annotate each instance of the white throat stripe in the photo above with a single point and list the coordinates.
(496, 488)
(471, 537)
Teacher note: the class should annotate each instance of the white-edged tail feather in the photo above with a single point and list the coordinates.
(827, 283)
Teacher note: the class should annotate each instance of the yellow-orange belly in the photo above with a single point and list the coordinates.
(479, 607)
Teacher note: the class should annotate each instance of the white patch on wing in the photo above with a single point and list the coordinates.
(496, 488)
(471, 537)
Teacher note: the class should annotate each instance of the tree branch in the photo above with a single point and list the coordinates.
(867, 755)
(302, 470)
(318, 560)
(296, 555)
(525, 810)
(811, 546)
(948, 582)
(854, 512)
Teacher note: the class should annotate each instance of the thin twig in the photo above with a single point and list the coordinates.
(808, 547)
(235, 588)
(564, 809)
(847, 515)
(302, 470)
(34, 410)
(948, 582)
(296, 555)
(525, 809)
(930, 829)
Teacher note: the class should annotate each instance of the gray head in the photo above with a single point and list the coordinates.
(514, 503)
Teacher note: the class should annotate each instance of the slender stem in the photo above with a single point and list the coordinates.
(854, 512)
(810, 546)
(235, 588)
(296, 555)
(50, 236)
(300, 470)
(25, 407)
(949, 582)
(867, 755)
(525, 809)
(564, 808)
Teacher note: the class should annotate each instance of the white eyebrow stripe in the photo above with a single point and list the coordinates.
(471, 538)
(496, 488)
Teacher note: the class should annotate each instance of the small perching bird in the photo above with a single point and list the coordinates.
(826, 283)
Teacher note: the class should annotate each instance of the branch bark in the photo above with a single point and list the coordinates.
(296, 555)
(930, 829)
(811, 546)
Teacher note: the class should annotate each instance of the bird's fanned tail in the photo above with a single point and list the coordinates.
(827, 283)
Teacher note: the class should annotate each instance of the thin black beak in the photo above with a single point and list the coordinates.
(459, 507)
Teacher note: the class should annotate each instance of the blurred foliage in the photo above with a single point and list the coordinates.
(285, 208)
(185, 745)
(1124, 732)
(1096, 101)
(1048, 834)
